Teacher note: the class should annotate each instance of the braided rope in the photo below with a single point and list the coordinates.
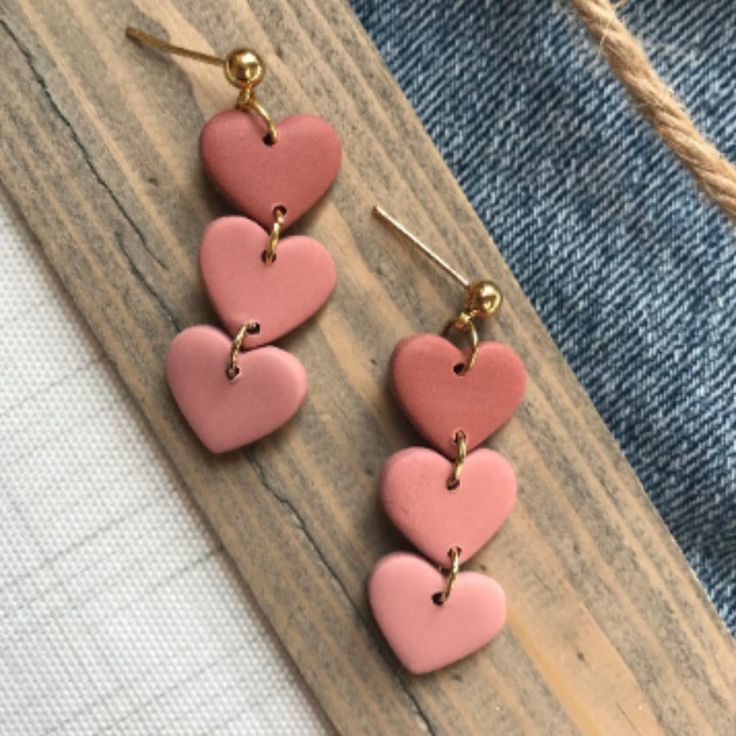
(626, 56)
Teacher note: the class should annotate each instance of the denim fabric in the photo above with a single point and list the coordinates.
(632, 270)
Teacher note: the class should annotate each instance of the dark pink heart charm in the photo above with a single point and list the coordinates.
(426, 636)
(244, 289)
(257, 177)
(226, 414)
(439, 400)
(434, 518)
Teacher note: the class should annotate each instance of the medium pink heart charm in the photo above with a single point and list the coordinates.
(426, 636)
(439, 401)
(244, 289)
(226, 414)
(256, 177)
(415, 495)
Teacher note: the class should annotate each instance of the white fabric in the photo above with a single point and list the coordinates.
(119, 610)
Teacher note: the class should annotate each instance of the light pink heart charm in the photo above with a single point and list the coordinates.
(243, 289)
(256, 177)
(426, 636)
(439, 401)
(415, 495)
(227, 414)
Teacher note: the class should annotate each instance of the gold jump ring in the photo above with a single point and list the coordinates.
(269, 255)
(233, 370)
(461, 441)
(454, 555)
(463, 323)
(247, 101)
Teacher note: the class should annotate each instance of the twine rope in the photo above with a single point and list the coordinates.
(671, 121)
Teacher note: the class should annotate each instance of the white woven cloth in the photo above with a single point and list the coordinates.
(119, 611)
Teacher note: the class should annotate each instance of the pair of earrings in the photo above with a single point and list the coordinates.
(232, 390)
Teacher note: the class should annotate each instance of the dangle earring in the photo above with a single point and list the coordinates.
(448, 505)
(261, 284)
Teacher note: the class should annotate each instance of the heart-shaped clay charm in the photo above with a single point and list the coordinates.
(433, 518)
(257, 177)
(244, 289)
(426, 636)
(226, 414)
(439, 401)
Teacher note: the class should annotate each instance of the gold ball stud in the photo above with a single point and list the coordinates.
(483, 298)
(244, 68)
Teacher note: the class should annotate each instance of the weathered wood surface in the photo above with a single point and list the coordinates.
(608, 632)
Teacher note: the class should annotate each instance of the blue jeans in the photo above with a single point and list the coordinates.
(632, 270)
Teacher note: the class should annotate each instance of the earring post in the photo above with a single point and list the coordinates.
(382, 215)
(170, 48)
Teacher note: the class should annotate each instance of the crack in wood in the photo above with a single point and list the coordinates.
(28, 56)
(323, 560)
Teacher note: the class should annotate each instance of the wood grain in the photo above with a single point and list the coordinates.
(608, 633)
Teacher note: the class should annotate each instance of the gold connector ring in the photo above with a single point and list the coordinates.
(247, 101)
(463, 324)
(461, 441)
(454, 555)
(269, 255)
(233, 369)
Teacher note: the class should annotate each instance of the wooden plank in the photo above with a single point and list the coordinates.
(608, 630)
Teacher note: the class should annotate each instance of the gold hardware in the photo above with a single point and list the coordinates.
(381, 214)
(463, 324)
(170, 48)
(454, 554)
(233, 369)
(482, 297)
(247, 101)
(461, 441)
(269, 255)
(243, 68)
